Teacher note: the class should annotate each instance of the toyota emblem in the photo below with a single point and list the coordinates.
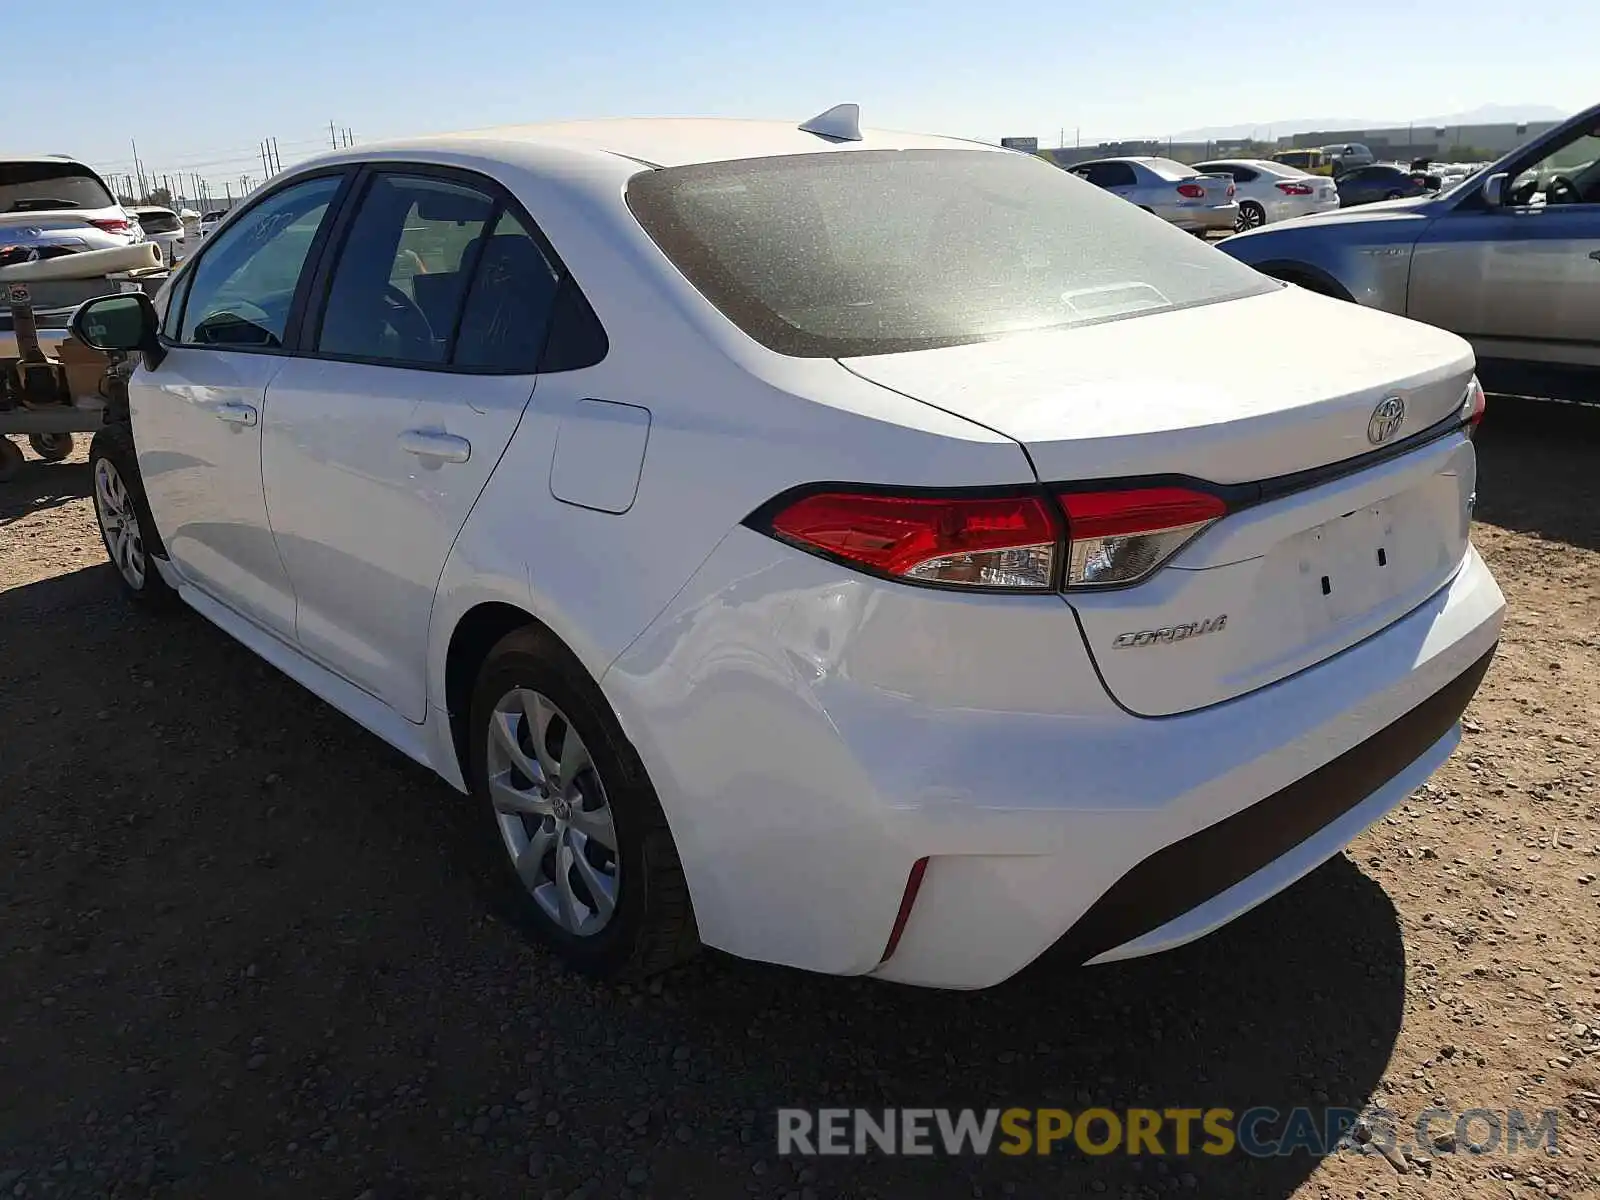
(1386, 420)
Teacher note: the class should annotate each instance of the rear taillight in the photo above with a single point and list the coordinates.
(1093, 539)
(1191, 191)
(112, 224)
(1474, 406)
(982, 542)
(1119, 537)
(1295, 189)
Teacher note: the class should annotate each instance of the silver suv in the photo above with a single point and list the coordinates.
(1509, 258)
(54, 204)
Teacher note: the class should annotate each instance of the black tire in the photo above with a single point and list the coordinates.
(52, 447)
(11, 459)
(653, 926)
(113, 446)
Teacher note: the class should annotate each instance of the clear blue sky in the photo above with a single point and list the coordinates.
(235, 74)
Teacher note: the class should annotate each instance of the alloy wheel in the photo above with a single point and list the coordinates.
(119, 524)
(1250, 217)
(554, 815)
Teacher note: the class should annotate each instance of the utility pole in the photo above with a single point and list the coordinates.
(138, 168)
(349, 137)
(333, 136)
(277, 163)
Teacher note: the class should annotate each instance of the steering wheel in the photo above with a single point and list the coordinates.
(1562, 189)
(406, 318)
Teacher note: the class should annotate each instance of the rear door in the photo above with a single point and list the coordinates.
(381, 437)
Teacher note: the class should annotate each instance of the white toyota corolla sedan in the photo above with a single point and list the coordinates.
(875, 553)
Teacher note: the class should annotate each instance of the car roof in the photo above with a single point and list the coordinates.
(41, 158)
(1257, 163)
(659, 141)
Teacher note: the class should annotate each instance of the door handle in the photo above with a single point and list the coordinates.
(235, 414)
(431, 443)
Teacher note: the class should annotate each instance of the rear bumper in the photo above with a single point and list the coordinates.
(1204, 220)
(1188, 888)
(813, 735)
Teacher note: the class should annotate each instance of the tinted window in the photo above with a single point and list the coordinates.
(402, 271)
(159, 222)
(872, 252)
(507, 314)
(39, 187)
(1168, 168)
(1109, 175)
(213, 216)
(1244, 174)
(400, 276)
(245, 280)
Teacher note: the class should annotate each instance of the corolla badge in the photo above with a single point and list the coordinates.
(1168, 634)
(1386, 420)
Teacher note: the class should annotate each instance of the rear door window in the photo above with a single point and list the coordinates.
(402, 272)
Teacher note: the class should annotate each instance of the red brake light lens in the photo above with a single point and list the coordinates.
(1474, 406)
(1192, 191)
(990, 542)
(1119, 537)
(1295, 189)
(112, 224)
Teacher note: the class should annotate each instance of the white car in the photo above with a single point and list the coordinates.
(838, 548)
(54, 204)
(165, 228)
(1270, 191)
(209, 221)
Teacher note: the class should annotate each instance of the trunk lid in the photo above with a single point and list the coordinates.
(1236, 393)
(46, 229)
(1218, 189)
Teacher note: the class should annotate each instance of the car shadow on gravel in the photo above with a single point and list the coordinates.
(242, 953)
(39, 486)
(1539, 469)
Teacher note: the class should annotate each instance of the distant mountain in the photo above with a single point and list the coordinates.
(1486, 114)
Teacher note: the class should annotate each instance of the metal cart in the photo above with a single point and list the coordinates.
(51, 385)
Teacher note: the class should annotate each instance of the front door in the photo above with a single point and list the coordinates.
(381, 437)
(197, 416)
(1521, 281)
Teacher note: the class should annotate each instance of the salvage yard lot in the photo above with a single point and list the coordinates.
(241, 952)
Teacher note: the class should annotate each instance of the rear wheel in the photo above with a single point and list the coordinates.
(126, 526)
(578, 850)
(1251, 216)
(52, 447)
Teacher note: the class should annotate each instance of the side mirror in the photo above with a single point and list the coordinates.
(124, 322)
(1494, 190)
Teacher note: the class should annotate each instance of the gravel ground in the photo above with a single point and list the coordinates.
(241, 953)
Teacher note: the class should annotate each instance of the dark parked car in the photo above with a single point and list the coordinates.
(1381, 181)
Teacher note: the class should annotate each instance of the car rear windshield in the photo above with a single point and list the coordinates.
(40, 187)
(1169, 168)
(862, 252)
(159, 222)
